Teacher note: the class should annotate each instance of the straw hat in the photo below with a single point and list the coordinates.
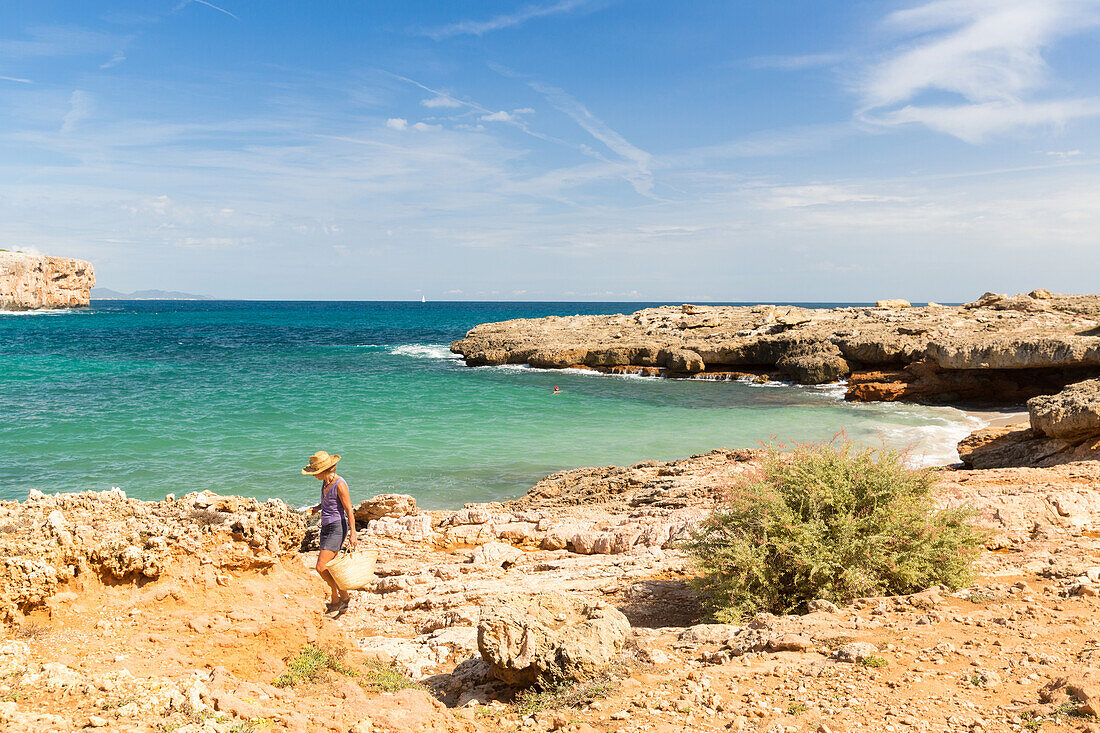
(320, 462)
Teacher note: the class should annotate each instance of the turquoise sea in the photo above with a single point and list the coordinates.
(159, 397)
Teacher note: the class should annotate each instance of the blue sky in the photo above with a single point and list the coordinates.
(557, 149)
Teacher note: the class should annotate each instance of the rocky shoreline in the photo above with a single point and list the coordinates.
(180, 615)
(30, 282)
(997, 350)
(194, 614)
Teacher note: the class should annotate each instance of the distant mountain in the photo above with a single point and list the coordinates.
(108, 294)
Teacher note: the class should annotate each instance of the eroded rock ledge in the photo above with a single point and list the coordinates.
(998, 349)
(29, 281)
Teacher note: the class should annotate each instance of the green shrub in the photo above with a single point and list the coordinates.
(308, 665)
(385, 678)
(830, 521)
(553, 694)
(873, 661)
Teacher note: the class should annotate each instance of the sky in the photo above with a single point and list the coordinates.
(712, 150)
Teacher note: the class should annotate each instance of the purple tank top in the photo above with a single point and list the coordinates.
(331, 511)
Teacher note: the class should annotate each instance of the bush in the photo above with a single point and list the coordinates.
(830, 521)
(309, 664)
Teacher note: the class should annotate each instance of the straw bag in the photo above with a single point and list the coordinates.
(353, 569)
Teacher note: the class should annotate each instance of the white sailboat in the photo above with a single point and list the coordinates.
(423, 299)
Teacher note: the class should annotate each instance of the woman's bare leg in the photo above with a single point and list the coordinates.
(323, 559)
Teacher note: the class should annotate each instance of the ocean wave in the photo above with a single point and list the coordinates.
(41, 312)
(425, 351)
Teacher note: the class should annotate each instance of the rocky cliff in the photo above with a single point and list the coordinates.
(37, 281)
(998, 349)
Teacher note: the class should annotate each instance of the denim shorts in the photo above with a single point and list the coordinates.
(333, 535)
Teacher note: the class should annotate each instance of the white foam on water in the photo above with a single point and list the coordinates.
(932, 442)
(425, 351)
(41, 312)
(596, 373)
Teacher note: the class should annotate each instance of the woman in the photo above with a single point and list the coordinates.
(337, 521)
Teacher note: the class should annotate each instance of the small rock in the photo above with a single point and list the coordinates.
(855, 652)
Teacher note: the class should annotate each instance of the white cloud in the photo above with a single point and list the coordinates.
(507, 20)
(988, 55)
(441, 100)
(16, 79)
(500, 116)
(397, 123)
(425, 127)
(976, 122)
(80, 109)
(523, 111)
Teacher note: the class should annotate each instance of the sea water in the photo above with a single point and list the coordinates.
(159, 397)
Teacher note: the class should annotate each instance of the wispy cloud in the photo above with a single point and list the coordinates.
(514, 119)
(986, 56)
(796, 63)
(80, 109)
(16, 79)
(58, 41)
(507, 20)
(207, 4)
(640, 175)
(115, 60)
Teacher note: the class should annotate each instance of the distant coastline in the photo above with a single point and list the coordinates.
(108, 294)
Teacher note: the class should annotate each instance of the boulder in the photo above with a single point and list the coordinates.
(893, 303)
(385, 505)
(1040, 294)
(816, 363)
(857, 651)
(1073, 413)
(987, 299)
(523, 638)
(495, 554)
(682, 361)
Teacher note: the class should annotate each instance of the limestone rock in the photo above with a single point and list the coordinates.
(525, 637)
(997, 349)
(893, 303)
(814, 364)
(683, 361)
(385, 505)
(856, 651)
(37, 281)
(1072, 413)
(1009, 446)
(497, 554)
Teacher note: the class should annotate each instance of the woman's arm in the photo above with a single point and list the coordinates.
(345, 501)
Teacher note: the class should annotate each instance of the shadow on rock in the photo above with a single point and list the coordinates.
(657, 603)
